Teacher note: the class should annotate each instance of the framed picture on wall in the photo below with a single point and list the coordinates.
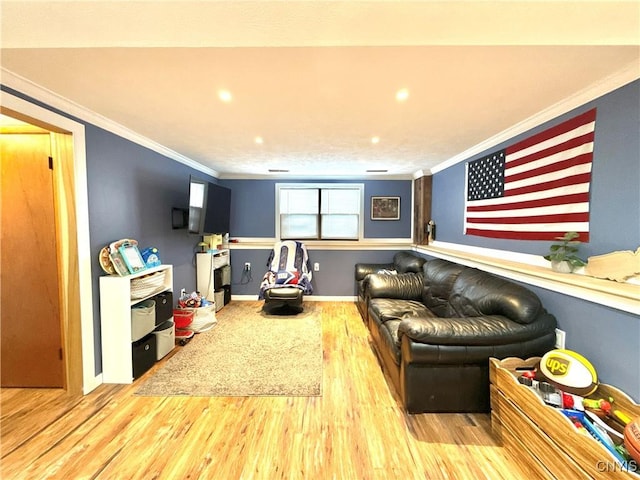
(385, 208)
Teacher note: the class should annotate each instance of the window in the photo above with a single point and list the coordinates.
(319, 211)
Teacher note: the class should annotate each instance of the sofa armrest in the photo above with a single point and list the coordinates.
(407, 262)
(485, 330)
(404, 286)
(364, 269)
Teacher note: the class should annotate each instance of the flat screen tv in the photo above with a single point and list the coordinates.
(209, 207)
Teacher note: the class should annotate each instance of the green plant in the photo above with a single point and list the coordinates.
(566, 250)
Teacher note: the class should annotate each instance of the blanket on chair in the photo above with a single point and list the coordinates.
(288, 267)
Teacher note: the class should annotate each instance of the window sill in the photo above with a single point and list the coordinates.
(366, 244)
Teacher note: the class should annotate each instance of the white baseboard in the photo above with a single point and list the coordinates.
(91, 384)
(309, 298)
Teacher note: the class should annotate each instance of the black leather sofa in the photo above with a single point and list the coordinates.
(403, 262)
(435, 331)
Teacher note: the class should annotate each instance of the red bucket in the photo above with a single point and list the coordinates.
(182, 318)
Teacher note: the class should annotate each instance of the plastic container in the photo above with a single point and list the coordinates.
(182, 317)
(143, 319)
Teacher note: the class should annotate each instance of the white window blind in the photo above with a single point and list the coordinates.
(325, 211)
(299, 213)
(340, 213)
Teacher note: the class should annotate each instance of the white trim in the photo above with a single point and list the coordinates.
(413, 213)
(54, 100)
(82, 219)
(294, 177)
(507, 255)
(307, 298)
(91, 384)
(616, 80)
(534, 270)
(366, 244)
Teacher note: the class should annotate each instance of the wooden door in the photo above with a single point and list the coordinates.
(30, 329)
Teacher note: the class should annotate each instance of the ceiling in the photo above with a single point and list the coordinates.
(317, 80)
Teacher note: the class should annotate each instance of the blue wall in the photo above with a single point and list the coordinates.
(253, 207)
(253, 216)
(131, 192)
(335, 277)
(609, 338)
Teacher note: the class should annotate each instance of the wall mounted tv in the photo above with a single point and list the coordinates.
(209, 207)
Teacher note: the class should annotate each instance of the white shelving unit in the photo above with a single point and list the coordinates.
(115, 320)
(206, 266)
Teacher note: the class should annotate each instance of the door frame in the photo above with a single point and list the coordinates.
(78, 329)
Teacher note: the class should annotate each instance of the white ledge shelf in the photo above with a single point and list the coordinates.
(621, 296)
(366, 244)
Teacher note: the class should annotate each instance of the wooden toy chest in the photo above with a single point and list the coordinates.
(541, 436)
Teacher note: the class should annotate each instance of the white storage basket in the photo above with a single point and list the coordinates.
(143, 319)
(204, 318)
(165, 339)
(147, 285)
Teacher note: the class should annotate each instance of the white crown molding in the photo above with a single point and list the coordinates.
(52, 99)
(296, 176)
(606, 85)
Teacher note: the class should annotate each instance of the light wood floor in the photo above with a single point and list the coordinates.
(355, 430)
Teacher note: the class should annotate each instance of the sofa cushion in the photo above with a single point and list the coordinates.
(406, 286)
(466, 331)
(439, 277)
(477, 293)
(385, 309)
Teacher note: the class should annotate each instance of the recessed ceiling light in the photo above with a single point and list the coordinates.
(375, 139)
(259, 140)
(402, 94)
(225, 95)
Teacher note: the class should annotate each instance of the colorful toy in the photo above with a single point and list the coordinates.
(622, 417)
(600, 407)
(569, 371)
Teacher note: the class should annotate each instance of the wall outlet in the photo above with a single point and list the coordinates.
(247, 266)
(183, 292)
(316, 267)
(561, 337)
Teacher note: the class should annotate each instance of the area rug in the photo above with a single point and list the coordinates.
(247, 353)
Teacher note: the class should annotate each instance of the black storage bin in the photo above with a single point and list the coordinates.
(164, 307)
(217, 277)
(222, 276)
(143, 354)
(227, 293)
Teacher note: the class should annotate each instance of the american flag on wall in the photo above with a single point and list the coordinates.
(536, 189)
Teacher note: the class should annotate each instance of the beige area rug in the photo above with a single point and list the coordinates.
(247, 353)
